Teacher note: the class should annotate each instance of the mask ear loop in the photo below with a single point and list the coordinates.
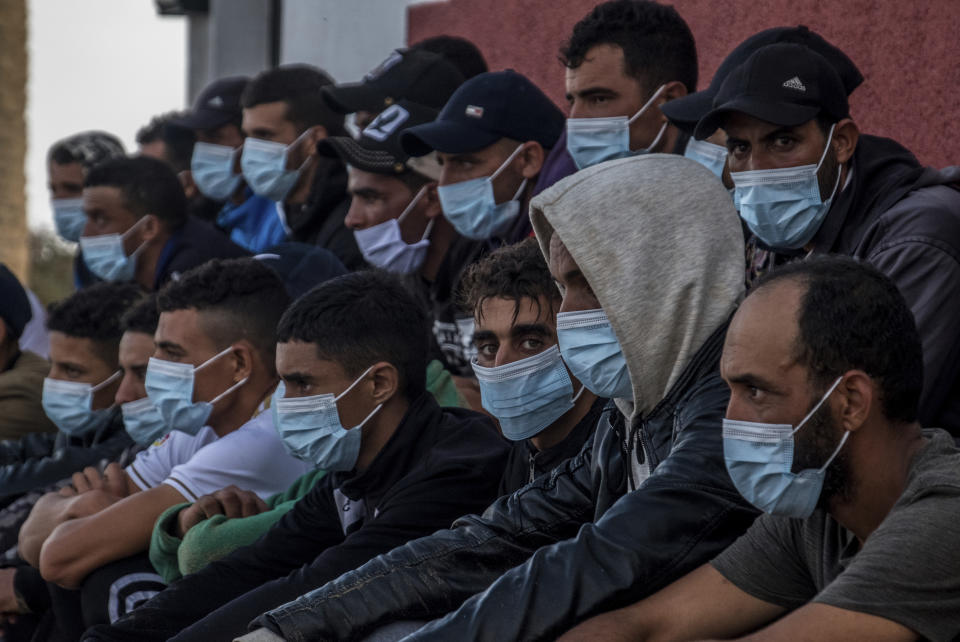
(287, 149)
(823, 156)
(819, 403)
(206, 363)
(351, 387)
(579, 392)
(504, 166)
(409, 208)
(836, 451)
(106, 382)
(133, 255)
(646, 105)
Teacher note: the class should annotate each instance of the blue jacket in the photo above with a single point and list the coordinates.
(254, 224)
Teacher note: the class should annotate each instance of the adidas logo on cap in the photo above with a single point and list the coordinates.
(794, 83)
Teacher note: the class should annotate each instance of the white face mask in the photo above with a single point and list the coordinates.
(382, 245)
(595, 140)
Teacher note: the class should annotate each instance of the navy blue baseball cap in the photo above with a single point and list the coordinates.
(783, 84)
(217, 105)
(486, 108)
(685, 112)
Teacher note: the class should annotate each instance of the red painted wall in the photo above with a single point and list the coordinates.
(907, 50)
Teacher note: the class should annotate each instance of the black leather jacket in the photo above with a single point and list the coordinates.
(571, 544)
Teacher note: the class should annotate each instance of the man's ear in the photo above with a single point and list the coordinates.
(314, 135)
(531, 159)
(150, 228)
(671, 91)
(243, 360)
(431, 202)
(386, 381)
(855, 399)
(845, 137)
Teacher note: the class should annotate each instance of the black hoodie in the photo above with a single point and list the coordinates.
(904, 219)
(319, 220)
(438, 465)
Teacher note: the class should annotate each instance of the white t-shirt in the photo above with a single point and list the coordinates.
(252, 458)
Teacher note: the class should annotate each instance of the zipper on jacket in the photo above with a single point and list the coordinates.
(533, 470)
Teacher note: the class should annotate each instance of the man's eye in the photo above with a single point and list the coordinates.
(599, 100)
(783, 142)
(531, 344)
(487, 349)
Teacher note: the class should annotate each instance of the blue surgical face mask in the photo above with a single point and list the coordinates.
(170, 387)
(69, 405)
(105, 257)
(143, 421)
(528, 395)
(591, 351)
(69, 218)
(713, 157)
(595, 140)
(311, 430)
(212, 169)
(759, 458)
(382, 245)
(783, 206)
(264, 165)
(472, 209)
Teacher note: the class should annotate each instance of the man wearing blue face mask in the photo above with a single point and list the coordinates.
(541, 408)
(490, 138)
(648, 497)
(623, 60)
(806, 181)
(284, 117)
(857, 542)
(137, 228)
(352, 359)
(215, 120)
(210, 379)
(25, 590)
(68, 162)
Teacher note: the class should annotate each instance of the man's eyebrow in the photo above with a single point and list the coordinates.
(365, 192)
(753, 380)
(483, 335)
(591, 91)
(530, 328)
(780, 131)
(463, 158)
(170, 346)
(297, 377)
(72, 365)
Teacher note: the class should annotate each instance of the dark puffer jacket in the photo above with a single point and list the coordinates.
(572, 544)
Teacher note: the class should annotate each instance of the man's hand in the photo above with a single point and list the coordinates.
(113, 481)
(230, 502)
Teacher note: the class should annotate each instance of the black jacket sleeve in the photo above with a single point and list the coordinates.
(432, 575)
(62, 458)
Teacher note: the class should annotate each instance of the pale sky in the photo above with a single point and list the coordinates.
(96, 64)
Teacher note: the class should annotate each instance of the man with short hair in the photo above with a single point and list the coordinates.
(68, 162)
(825, 370)
(85, 333)
(648, 498)
(284, 117)
(806, 181)
(21, 371)
(490, 138)
(215, 120)
(215, 343)
(623, 61)
(137, 227)
(543, 409)
(22, 589)
(460, 52)
(352, 355)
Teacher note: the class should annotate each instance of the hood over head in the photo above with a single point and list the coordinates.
(659, 241)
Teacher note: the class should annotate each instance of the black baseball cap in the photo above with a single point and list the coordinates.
(486, 108)
(217, 105)
(378, 149)
(416, 75)
(783, 84)
(685, 112)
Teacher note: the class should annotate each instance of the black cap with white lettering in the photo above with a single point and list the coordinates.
(486, 108)
(377, 149)
(783, 84)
